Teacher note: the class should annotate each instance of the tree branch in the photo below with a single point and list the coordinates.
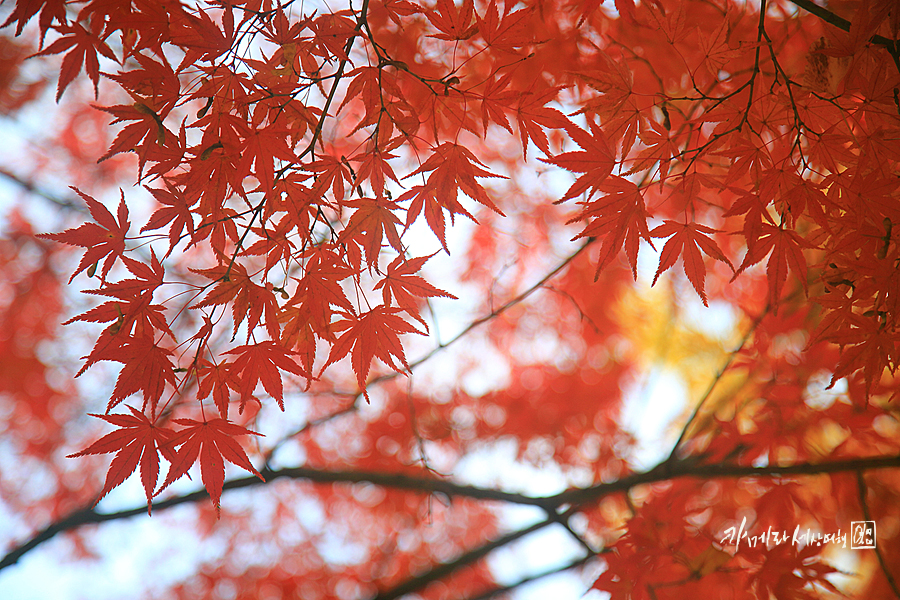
(861, 485)
(840, 22)
(438, 572)
(670, 470)
(87, 516)
(577, 498)
(41, 193)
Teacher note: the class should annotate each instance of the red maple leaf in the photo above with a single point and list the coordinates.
(146, 136)
(454, 23)
(175, 210)
(86, 46)
(372, 221)
(274, 243)
(495, 102)
(320, 289)
(331, 172)
(147, 368)
(507, 32)
(660, 149)
(688, 238)
(138, 441)
(260, 363)
(133, 311)
(51, 10)
(405, 288)
(213, 443)
(453, 168)
(247, 299)
(596, 160)
(104, 238)
(217, 380)
(262, 146)
(532, 113)
(372, 334)
(148, 278)
(620, 216)
(199, 36)
(786, 247)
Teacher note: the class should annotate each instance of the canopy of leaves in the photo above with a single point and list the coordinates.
(353, 249)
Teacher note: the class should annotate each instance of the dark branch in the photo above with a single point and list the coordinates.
(687, 468)
(87, 516)
(439, 572)
(579, 497)
(839, 22)
(41, 193)
(861, 485)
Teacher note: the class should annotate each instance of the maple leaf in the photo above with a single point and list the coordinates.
(199, 36)
(275, 244)
(866, 344)
(671, 22)
(331, 172)
(262, 146)
(148, 278)
(715, 48)
(333, 32)
(372, 221)
(133, 316)
(402, 286)
(616, 105)
(453, 168)
(260, 363)
(688, 239)
(217, 380)
(146, 368)
(175, 210)
(786, 247)
(532, 113)
(596, 160)
(374, 166)
(155, 84)
(370, 335)
(247, 299)
(212, 442)
(660, 149)
(51, 10)
(138, 441)
(367, 83)
(143, 136)
(320, 288)
(105, 238)
(620, 216)
(86, 46)
(508, 32)
(496, 101)
(298, 333)
(453, 23)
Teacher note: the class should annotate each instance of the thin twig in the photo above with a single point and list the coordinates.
(867, 516)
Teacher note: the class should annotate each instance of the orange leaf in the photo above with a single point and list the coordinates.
(404, 287)
(686, 237)
(213, 443)
(106, 238)
(138, 441)
(260, 363)
(373, 334)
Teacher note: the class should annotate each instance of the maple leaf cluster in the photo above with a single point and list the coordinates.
(294, 156)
